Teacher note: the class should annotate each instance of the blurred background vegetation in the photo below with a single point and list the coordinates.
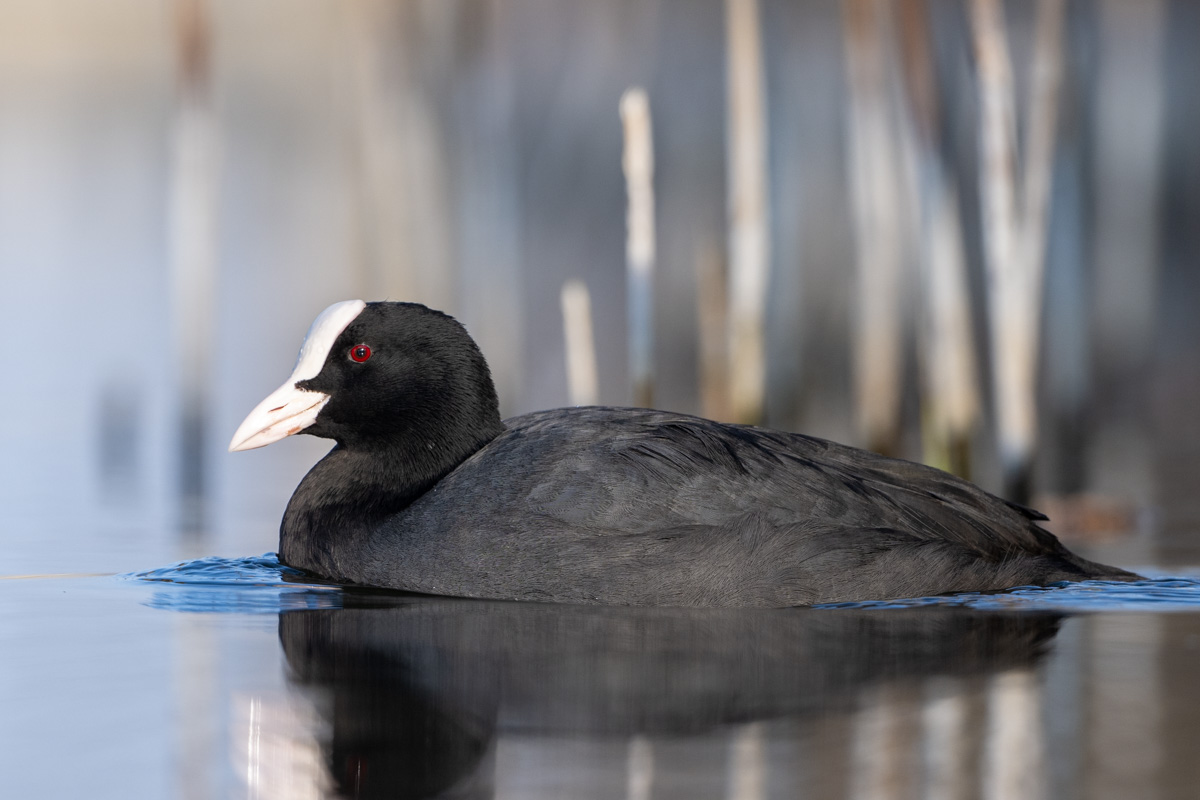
(957, 232)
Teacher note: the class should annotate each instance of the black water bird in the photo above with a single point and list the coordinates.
(427, 490)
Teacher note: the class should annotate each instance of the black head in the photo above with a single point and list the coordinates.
(401, 370)
(381, 376)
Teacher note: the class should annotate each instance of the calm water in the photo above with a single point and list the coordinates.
(241, 678)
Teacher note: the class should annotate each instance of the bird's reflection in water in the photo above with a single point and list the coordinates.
(417, 691)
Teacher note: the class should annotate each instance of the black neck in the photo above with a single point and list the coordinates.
(354, 487)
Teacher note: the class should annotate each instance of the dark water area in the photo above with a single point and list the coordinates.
(272, 685)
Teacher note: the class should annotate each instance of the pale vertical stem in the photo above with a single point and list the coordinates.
(1012, 322)
(1015, 239)
(948, 353)
(580, 341)
(1042, 116)
(748, 767)
(638, 165)
(749, 240)
(712, 310)
(949, 397)
(192, 220)
(640, 769)
(1014, 745)
(1028, 270)
(878, 241)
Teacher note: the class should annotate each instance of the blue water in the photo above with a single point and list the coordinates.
(262, 585)
(1157, 594)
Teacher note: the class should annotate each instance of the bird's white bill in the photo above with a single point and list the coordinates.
(289, 410)
(285, 411)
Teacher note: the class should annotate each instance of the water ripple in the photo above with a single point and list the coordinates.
(264, 570)
(1166, 593)
(262, 585)
(251, 585)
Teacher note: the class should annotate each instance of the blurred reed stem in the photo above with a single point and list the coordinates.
(712, 311)
(876, 200)
(1014, 236)
(580, 343)
(638, 165)
(192, 221)
(946, 347)
(749, 235)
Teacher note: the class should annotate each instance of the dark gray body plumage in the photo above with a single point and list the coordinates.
(638, 507)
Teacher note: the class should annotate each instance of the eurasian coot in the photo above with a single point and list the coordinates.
(428, 490)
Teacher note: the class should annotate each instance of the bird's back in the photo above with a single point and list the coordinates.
(651, 508)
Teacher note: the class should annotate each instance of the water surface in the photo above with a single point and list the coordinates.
(1080, 690)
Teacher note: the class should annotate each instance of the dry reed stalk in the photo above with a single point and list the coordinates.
(581, 343)
(192, 221)
(951, 396)
(638, 165)
(876, 198)
(1014, 237)
(1042, 116)
(946, 353)
(749, 235)
(712, 309)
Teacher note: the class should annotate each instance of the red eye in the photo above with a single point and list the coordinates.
(360, 353)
